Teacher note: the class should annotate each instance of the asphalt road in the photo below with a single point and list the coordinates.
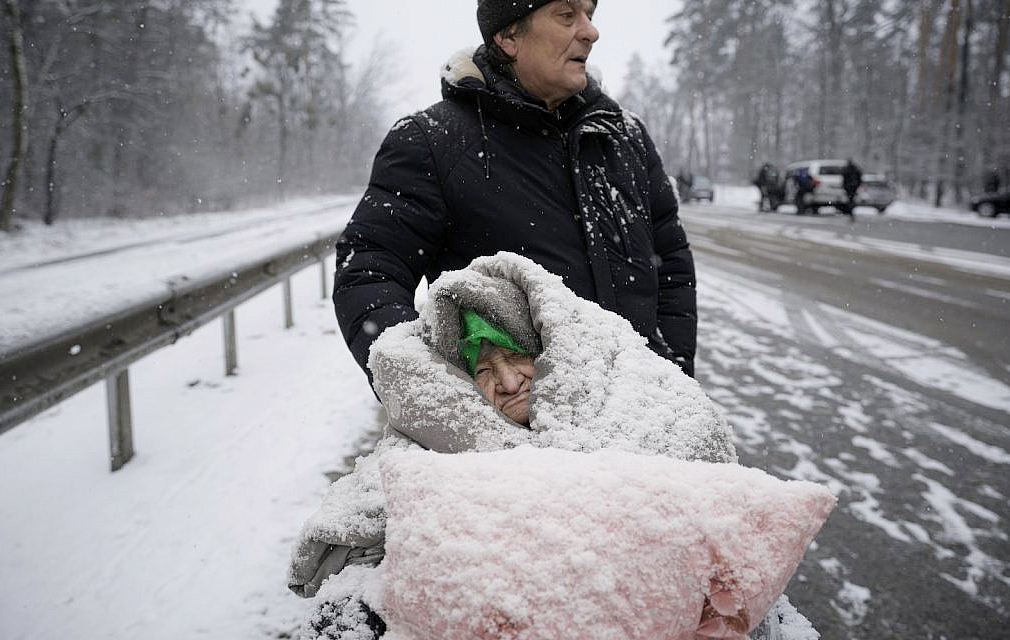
(879, 381)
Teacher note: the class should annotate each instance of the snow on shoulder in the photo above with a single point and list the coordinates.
(544, 543)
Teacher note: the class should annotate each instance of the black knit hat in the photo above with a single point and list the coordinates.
(495, 15)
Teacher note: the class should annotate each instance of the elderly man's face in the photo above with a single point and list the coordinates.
(551, 55)
(503, 376)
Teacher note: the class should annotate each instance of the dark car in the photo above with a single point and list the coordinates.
(989, 205)
(702, 189)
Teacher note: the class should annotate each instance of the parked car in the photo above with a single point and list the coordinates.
(827, 175)
(989, 205)
(876, 191)
(702, 189)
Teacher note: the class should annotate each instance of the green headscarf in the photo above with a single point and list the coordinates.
(475, 330)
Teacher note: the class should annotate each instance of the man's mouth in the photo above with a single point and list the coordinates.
(579, 59)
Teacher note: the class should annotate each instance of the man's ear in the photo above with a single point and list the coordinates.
(507, 43)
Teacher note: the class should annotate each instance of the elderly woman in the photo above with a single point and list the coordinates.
(502, 355)
(501, 368)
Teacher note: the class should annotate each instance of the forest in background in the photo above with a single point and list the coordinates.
(144, 107)
(916, 89)
(141, 107)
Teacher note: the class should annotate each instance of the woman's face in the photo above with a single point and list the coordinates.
(503, 376)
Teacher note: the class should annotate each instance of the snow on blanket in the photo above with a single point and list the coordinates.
(598, 385)
(631, 546)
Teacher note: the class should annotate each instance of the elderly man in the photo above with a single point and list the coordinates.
(525, 154)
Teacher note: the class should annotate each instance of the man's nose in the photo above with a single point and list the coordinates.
(588, 31)
(510, 379)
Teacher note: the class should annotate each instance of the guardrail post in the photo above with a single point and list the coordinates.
(117, 393)
(230, 348)
(322, 273)
(289, 320)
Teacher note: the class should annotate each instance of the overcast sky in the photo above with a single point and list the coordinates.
(427, 32)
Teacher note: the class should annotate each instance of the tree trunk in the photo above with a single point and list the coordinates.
(63, 121)
(865, 113)
(50, 215)
(948, 68)
(707, 123)
(897, 140)
(993, 116)
(921, 133)
(778, 122)
(692, 142)
(282, 141)
(962, 106)
(20, 122)
(822, 110)
(835, 70)
(926, 16)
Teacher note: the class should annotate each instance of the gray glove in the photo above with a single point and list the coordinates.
(316, 561)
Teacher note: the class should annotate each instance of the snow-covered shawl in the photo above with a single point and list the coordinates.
(597, 385)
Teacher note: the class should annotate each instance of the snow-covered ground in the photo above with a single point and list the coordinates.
(45, 289)
(191, 538)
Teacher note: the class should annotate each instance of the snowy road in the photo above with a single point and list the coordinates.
(880, 367)
(870, 358)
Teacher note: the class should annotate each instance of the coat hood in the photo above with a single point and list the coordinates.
(597, 383)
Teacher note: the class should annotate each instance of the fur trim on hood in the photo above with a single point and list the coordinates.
(460, 65)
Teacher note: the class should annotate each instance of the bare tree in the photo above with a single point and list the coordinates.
(19, 75)
(297, 51)
(960, 126)
(945, 98)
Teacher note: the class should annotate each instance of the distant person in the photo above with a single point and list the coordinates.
(804, 187)
(766, 181)
(525, 153)
(685, 182)
(852, 179)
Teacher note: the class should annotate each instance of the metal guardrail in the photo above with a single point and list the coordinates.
(40, 375)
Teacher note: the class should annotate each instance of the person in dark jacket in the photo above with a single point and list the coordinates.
(766, 181)
(852, 178)
(525, 154)
(804, 186)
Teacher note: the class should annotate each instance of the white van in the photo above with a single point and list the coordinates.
(827, 175)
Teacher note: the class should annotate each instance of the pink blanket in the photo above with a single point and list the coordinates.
(542, 543)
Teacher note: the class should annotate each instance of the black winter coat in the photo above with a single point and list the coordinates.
(580, 190)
